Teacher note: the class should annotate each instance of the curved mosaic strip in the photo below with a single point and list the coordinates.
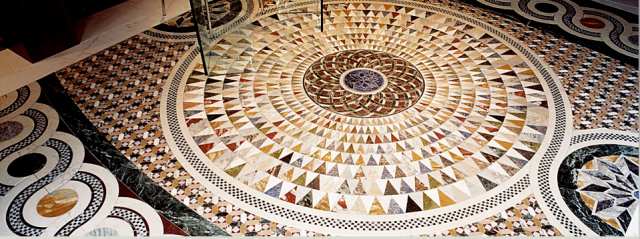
(568, 13)
(23, 95)
(138, 224)
(18, 101)
(98, 191)
(14, 217)
(41, 122)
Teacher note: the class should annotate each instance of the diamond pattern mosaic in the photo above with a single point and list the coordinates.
(524, 219)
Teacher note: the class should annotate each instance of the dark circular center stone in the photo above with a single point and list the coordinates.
(546, 7)
(26, 165)
(636, 194)
(363, 80)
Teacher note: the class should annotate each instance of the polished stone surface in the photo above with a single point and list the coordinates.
(363, 81)
(472, 123)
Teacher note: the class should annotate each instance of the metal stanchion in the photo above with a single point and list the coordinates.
(321, 16)
(206, 2)
(164, 12)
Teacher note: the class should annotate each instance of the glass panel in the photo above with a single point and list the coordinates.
(202, 19)
(238, 55)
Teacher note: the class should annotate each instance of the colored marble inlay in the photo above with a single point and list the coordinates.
(546, 7)
(364, 83)
(592, 23)
(609, 187)
(482, 115)
(125, 108)
(158, 162)
(363, 80)
(26, 165)
(526, 218)
(9, 130)
(597, 183)
(57, 202)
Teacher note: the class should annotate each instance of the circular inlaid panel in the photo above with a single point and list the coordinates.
(281, 132)
(27, 165)
(634, 39)
(546, 7)
(364, 83)
(592, 23)
(597, 182)
(57, 202)
(478, 119)
(9, 130)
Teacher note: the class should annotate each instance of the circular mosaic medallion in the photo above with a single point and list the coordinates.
(363, 83)
(307, 131)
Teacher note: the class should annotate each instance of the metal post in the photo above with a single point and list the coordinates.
(261, 6)
(164, 13)
(321, 16)
(208, 20)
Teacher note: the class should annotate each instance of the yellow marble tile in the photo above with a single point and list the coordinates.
(57, 202)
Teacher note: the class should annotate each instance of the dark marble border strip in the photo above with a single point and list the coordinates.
(555, 30)
(145, 188)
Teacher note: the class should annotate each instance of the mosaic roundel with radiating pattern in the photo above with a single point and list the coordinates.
(474, 111)
(341, 83)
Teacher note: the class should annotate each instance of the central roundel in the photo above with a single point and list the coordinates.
(364, 83)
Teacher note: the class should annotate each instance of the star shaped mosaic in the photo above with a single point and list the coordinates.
(609, 186)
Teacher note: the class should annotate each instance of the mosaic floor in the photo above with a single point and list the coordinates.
(401, 118)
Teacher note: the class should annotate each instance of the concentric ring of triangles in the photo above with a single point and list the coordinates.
(483, 120)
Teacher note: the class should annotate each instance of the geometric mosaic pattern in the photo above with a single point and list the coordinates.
(609, 187)
(486, 119)
(603, 92)
(587, 23)
(107, 94)
(405, 86)
(580, 70)
(524, 219)
(478, 118)
(51, 187)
